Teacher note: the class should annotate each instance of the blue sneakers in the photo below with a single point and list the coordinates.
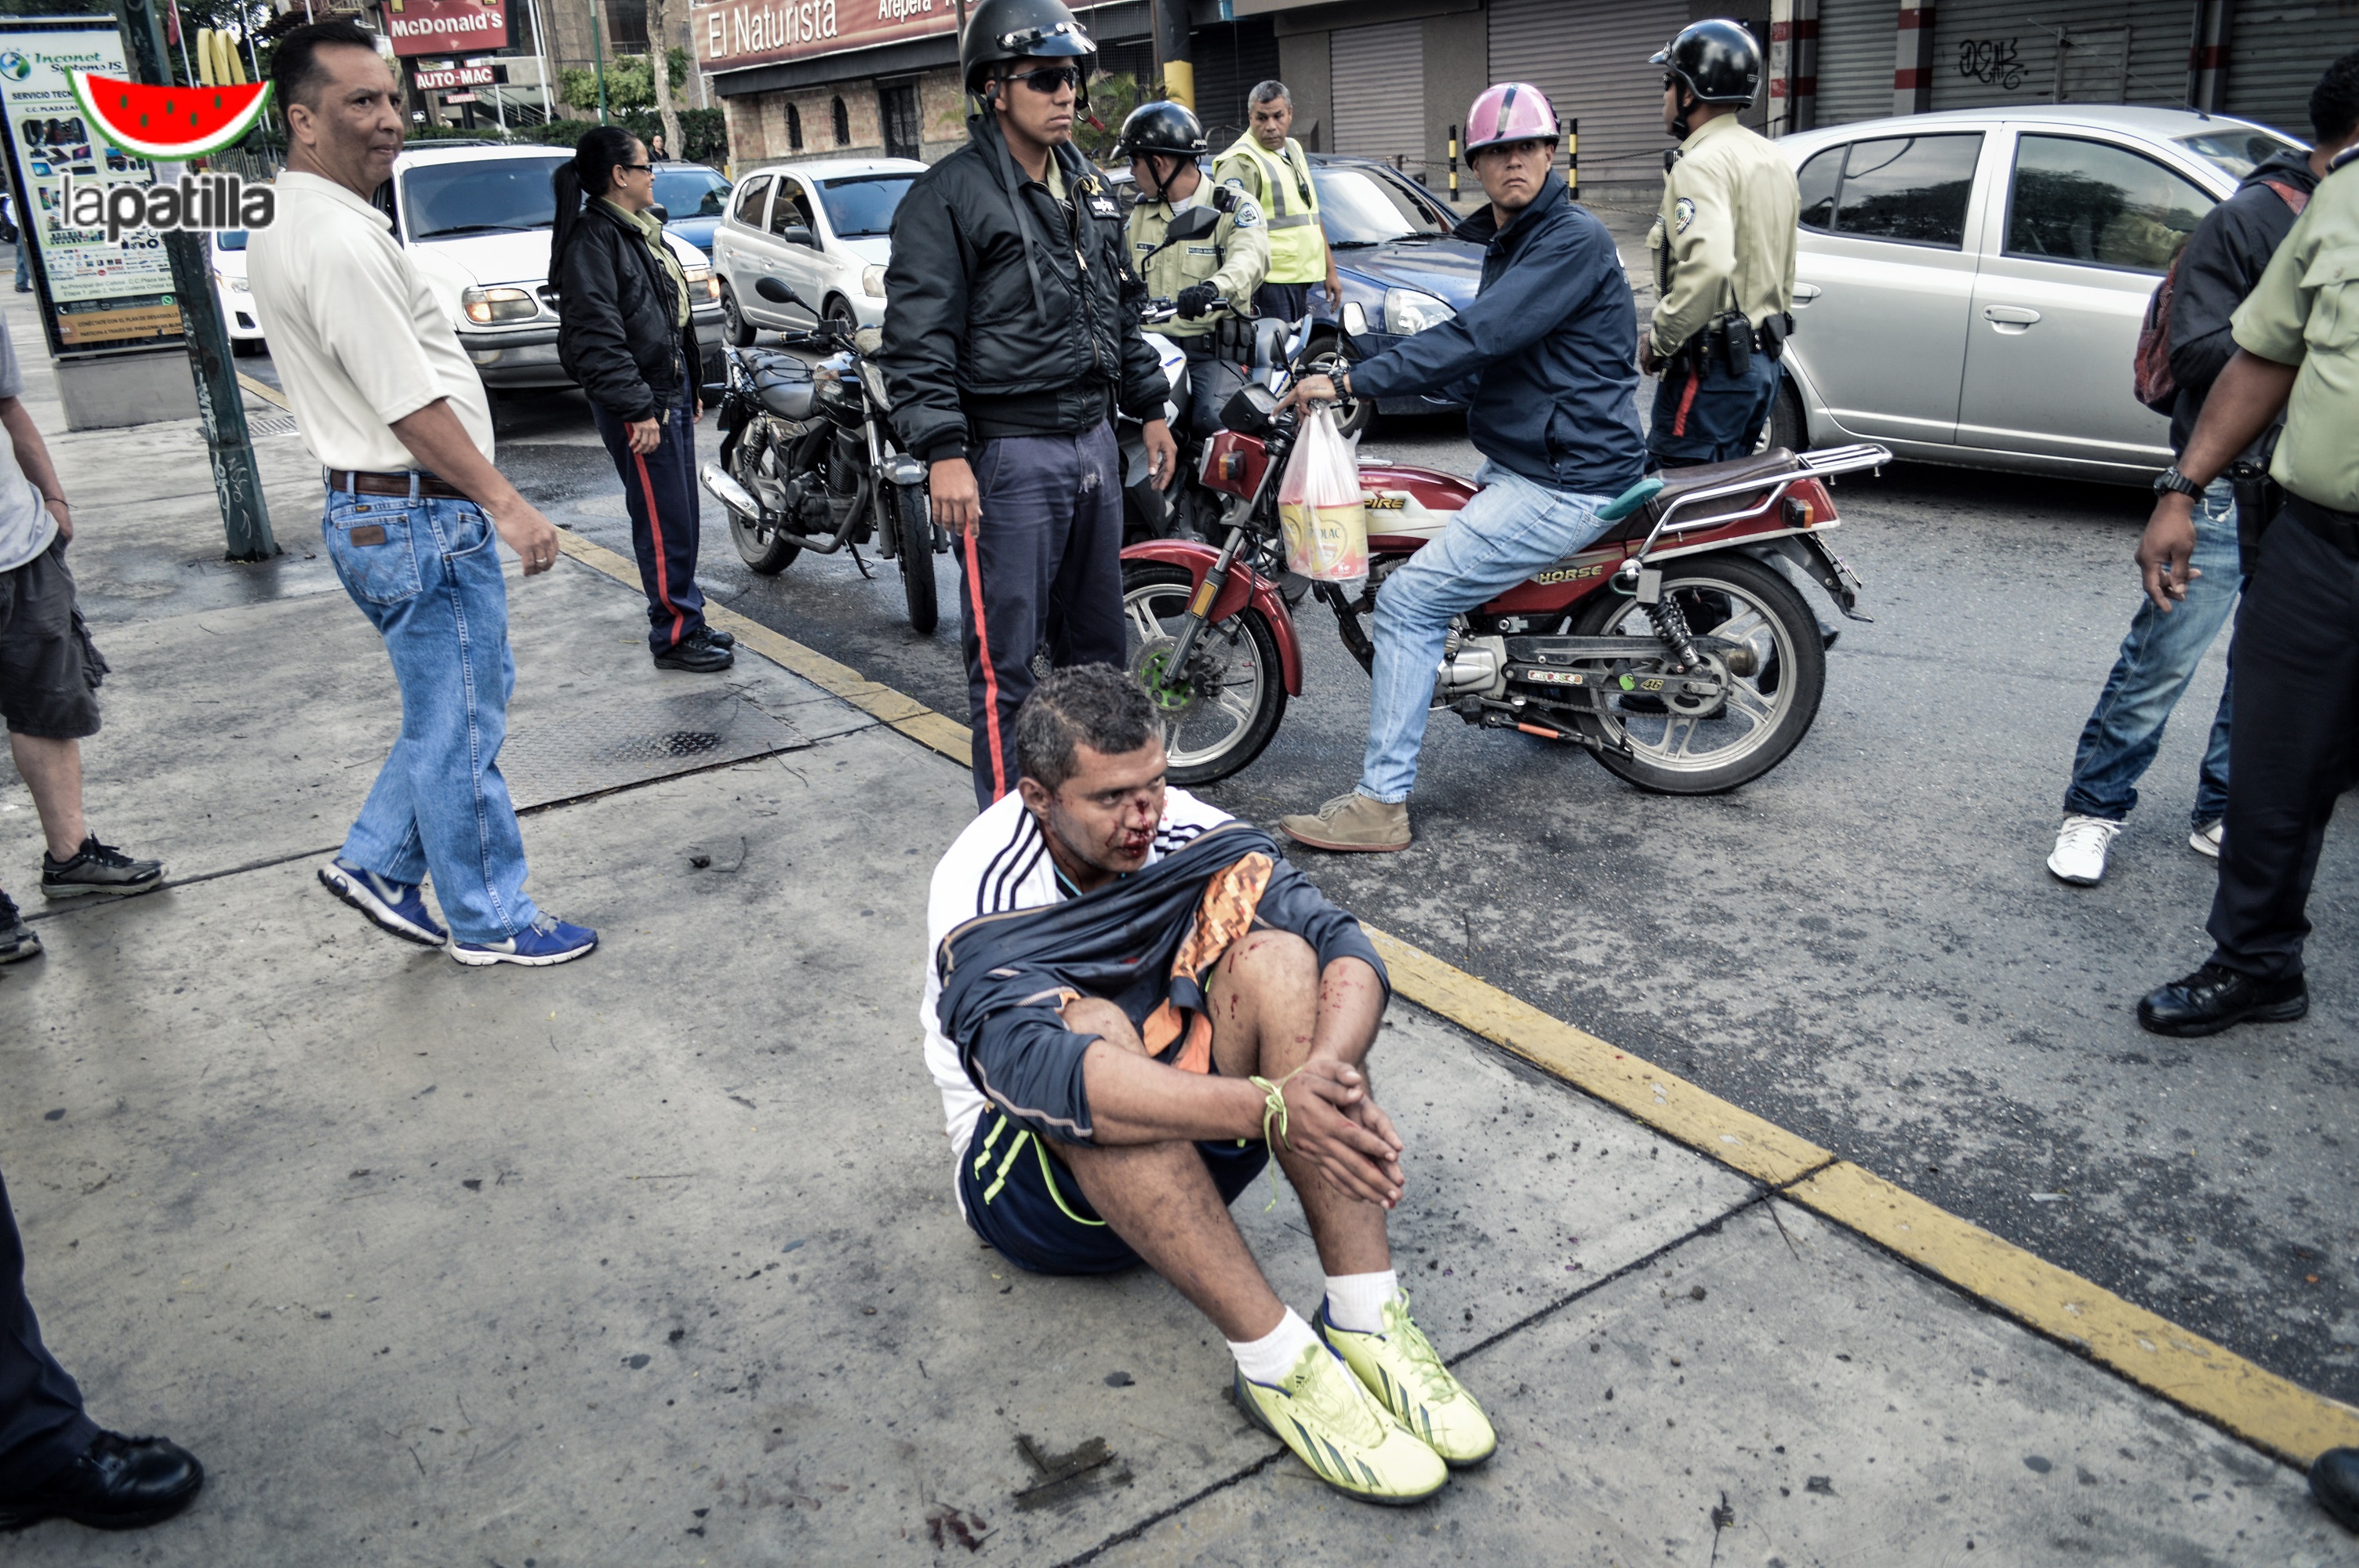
(547, 940)
(398, 907)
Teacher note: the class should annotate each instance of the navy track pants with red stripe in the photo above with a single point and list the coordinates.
(1044, 570)
(666, 518)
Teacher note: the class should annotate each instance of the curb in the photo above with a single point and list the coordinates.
(2273, 1414)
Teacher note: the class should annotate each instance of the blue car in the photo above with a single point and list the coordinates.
(694, 198)
(1395, 256)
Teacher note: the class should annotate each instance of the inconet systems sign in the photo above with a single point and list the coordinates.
(731, 34)
(446, 27)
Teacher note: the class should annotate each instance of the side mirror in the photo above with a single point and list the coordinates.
(663, 213)
(777, 293)
(1356, 319)
(1193, 224)
(798, 234)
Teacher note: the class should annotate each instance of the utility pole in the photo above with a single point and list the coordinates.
(1172, 53)
(221, 407)
(659, 71)
(598, 60)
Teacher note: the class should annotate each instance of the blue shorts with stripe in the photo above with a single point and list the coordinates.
(1026, 1204)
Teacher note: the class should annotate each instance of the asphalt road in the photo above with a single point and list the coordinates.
(1864, 946)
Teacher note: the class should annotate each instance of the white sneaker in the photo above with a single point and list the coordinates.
(2205, 840)
(2081, 846)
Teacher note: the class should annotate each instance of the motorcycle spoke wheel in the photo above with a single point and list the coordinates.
(1760, 717)
(767, 552)
(1219, 714)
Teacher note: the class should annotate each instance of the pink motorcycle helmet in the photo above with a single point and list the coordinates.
(1510, 112)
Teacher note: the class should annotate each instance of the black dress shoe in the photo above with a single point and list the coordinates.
(717, 637)
(118, 1483)
(2213, 999)
(696, 657)
(2334, 1482)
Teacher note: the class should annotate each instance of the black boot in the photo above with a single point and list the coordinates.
(2213, 999)
(118, 1483)
(2334, 1482)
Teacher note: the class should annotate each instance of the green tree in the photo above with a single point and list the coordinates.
(630, 82)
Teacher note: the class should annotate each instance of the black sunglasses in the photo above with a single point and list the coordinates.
(1049, 79)
(637, 168)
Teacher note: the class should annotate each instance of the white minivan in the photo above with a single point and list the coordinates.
(477, 218)
(1969, 283)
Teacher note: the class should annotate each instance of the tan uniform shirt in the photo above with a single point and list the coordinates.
(2305, 312)
(1725, 239)
(359, 340)
(1234, 258)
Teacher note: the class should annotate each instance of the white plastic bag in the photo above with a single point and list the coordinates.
(1319, 508)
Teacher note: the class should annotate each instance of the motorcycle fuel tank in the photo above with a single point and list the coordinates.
(1408, 506)
(784, 384)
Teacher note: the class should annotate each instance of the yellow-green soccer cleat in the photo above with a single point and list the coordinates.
(1320, 1411)
(1400, 1368)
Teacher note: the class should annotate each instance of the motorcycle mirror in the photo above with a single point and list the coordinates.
(1356, 319)
(662, 212)
(1193, 224)
(777, 293)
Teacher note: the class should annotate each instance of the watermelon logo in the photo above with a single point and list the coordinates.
(174, 124)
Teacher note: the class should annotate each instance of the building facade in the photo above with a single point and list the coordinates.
(1391, 79)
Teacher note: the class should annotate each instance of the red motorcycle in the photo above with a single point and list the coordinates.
(1671, 648)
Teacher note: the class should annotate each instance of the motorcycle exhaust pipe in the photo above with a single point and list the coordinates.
(729, 492)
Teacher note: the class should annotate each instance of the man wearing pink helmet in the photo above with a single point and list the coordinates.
(1545, 360)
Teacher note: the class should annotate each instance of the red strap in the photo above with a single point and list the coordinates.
(2294, 196)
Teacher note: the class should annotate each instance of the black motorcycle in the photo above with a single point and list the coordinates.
(808, 461)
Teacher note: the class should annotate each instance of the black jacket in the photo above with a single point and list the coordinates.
(2224, 259)
(995, 325)
(615, 310)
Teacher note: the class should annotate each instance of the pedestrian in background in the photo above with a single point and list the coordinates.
(1008, 346)
(2295, 660)
(625, 335)
(1269, 165)
(49, 672)
(1723, 247)
(387, 400)
(55, 1462)
(2223, 260)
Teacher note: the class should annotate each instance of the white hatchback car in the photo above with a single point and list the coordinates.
(1969, 283)
(236, 295)
(477, 218)
(822, 229)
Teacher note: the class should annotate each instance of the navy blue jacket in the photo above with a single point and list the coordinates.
(1546, 358)
(1003, 974)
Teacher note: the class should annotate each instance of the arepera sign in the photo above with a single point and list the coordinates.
(733, 34)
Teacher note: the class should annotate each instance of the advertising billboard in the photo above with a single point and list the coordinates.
(96, 293)
(733, 33)
(446, 27)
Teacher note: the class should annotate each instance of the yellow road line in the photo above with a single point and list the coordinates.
(2272, 1414)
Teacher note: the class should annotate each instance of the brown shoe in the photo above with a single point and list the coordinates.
(1352, 822)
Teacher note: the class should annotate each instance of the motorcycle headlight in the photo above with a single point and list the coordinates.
(1409, 311)
(871, 282)
(873, 380)
(485, 306)
(701, 284)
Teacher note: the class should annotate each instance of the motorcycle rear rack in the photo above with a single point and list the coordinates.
(1807, 465)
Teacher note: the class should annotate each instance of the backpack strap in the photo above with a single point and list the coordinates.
(2293, 195)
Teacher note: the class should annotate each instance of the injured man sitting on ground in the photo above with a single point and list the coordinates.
(1133, 1002)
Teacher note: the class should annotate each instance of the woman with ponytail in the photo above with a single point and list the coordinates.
(624, 334)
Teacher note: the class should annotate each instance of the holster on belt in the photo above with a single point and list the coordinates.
(2259, 499)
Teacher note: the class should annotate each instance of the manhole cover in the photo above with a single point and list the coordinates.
(562, 759)
(270, 424)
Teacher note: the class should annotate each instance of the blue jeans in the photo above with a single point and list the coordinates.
(2158, 659)
(427, 574)
(1511, 529)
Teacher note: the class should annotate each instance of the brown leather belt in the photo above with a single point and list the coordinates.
(393, 484)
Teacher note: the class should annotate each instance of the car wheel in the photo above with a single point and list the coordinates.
(840, 318)
(733, 325)
(1787, 427)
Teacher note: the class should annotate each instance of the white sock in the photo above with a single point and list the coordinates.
(1357, 1301)
(1272, 1357)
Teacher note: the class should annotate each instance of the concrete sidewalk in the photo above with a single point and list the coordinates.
(652, 1259)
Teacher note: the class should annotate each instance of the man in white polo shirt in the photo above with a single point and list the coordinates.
(386, 399)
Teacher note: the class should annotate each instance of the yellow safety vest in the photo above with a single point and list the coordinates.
(1290, 206)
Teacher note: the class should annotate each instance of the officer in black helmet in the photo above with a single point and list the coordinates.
(1723, 252)
(1008, 343)
(1212, 276)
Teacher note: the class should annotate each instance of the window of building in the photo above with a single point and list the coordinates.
(794, 129)
(1911, 189)
(842, 124)
(626, 23)
(2094, 202)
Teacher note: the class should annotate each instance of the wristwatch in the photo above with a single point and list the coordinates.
(2171, 478)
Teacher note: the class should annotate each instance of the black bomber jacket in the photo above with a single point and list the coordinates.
(615, 311)
(998, 319)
